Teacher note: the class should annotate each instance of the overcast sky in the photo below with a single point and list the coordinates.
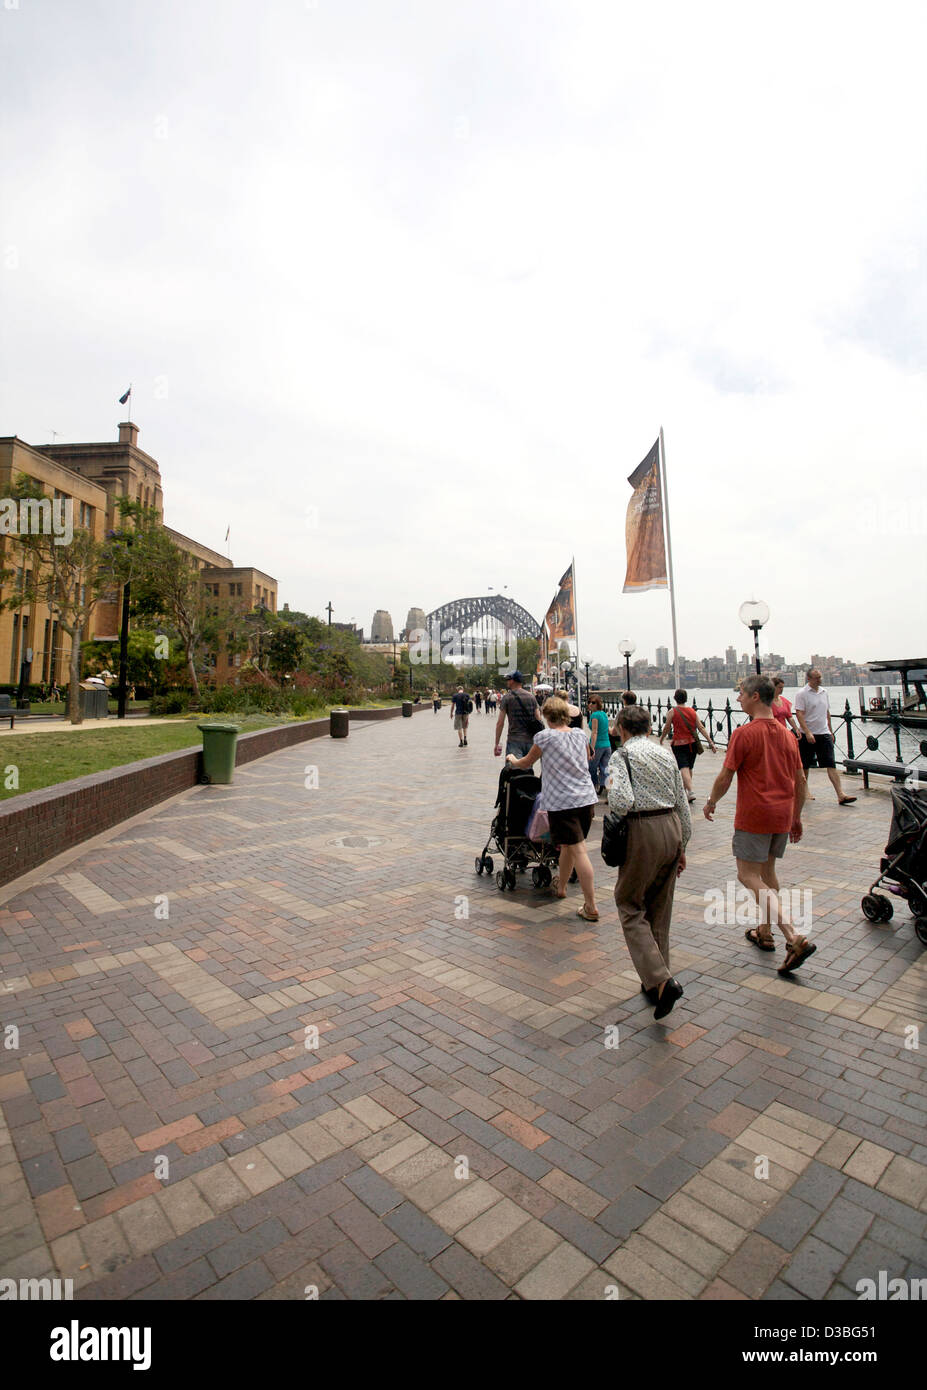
(407, 289)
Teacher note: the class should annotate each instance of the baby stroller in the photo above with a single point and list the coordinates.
(518, 788)
(904, 864)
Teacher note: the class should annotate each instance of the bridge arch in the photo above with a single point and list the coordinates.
(462, 613)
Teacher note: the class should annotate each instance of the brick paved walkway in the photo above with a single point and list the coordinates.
(463, 1128)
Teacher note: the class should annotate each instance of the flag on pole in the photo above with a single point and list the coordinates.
(643, 528)
(123, 399)
(228, 533)
(560, 620)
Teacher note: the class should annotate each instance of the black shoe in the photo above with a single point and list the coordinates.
(465, 743)
(672, 993)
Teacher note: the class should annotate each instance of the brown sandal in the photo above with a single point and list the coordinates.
(796, 951)
(587, 916)
(765, 943)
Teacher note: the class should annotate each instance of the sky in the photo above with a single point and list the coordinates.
(405, 292)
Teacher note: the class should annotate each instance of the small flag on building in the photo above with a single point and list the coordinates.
(123, 399)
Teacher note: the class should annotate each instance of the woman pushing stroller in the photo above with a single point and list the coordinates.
(568, 797)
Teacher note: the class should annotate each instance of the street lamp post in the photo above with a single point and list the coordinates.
(626, 647)
(755, 615)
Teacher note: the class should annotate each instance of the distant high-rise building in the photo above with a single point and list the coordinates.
(663, 657)
(730, 656)
(381, 629)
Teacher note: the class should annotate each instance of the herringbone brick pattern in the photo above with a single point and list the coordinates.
(280, 1036)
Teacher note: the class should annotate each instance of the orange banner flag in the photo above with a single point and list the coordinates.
(643, 528)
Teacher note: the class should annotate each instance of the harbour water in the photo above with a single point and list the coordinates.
(840, 696)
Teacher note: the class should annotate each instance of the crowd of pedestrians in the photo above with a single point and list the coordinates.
(650, 789)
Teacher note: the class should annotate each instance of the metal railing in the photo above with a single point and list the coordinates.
(855, 735)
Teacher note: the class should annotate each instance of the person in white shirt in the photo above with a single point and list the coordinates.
(816, 745)
(646, 786)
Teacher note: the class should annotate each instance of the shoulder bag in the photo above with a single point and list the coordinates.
(693, 730)
(615, 831)
(532, 723)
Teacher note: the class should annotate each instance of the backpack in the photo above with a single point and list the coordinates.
(469, 705)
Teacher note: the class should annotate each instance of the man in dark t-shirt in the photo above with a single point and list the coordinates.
(460, 713)
(519, 707)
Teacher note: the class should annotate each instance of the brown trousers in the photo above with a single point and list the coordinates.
(644, 894)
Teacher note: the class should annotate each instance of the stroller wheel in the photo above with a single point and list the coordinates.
(478, 864)
(920, 929)
(537, 876)
(874, 907)
(487, 863)
(510, 879)
(500, 880)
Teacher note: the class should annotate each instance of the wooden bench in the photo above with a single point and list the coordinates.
(899, 771)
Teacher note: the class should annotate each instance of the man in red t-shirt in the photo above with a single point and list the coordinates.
(770, 791)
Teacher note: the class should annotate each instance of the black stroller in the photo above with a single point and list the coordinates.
(904, 864)
(518, 788)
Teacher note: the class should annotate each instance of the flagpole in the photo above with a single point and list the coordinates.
(129, 403)
(579, 683)
(669, 559)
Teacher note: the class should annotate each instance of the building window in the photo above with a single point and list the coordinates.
(238, 658)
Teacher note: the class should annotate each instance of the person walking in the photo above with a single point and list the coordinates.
(460, 713)
(770, 793)
(600, 747)
(816, 744)
(478, 700)
(568, 796)
(683, 723)
(646, 786)
(782, 708)
(519, 708)
(435, 700)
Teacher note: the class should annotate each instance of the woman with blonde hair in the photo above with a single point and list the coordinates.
(567, 796)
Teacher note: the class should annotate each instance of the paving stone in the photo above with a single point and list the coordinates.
(754, 1265)
(788, 1222)
(843, 1225)
(475, 1197)
(818, 1184)
(813, 1267)
(420, 1233)
(686, 1245)
(467, 1275)
(410, 1274)
(868, 1163)
(374, 1191)
(556, 1274)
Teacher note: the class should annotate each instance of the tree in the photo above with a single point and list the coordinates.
(71, 575)
(169, 586)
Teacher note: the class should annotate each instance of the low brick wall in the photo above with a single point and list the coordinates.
(38, 825)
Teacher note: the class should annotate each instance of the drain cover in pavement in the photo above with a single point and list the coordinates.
(355, 841)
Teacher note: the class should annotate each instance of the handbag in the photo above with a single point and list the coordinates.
(696, 741)
(615, 831)
(538, 827)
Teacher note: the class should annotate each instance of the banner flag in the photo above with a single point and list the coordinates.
(643, 528)
(561, 615)
(123, 399)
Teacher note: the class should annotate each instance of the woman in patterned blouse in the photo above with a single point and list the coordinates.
(567, 796)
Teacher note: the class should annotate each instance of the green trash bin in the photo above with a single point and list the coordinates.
(219, 742)
(407, 708)
(339, 722)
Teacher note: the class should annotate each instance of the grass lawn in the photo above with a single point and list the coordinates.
(45, 759)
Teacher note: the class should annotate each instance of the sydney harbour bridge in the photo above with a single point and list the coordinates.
(482, 615)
